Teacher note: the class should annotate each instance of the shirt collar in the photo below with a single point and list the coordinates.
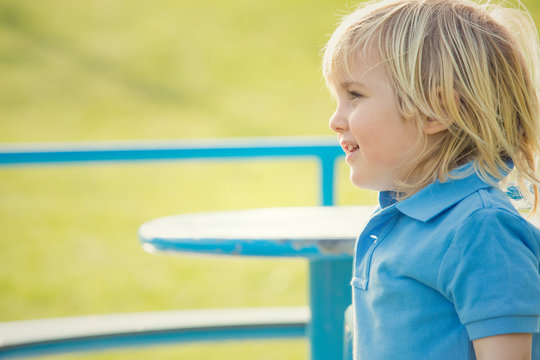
(437, 197)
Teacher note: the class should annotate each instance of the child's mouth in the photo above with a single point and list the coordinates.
(349, 148)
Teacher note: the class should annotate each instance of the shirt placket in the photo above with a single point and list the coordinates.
(374, 233)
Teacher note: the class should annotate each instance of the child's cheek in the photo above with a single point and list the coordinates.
(372, 142)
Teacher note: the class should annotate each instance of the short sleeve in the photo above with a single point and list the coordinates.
(490, 273)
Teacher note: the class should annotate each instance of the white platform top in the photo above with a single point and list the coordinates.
(318, 231)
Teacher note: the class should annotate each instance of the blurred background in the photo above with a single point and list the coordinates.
(132, 70)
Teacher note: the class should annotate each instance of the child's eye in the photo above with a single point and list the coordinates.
(354, 94)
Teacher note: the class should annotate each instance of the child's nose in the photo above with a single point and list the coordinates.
(338, 122)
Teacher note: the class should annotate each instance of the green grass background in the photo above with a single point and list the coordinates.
(133, 70)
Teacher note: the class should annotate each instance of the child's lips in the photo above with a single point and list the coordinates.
(349, 148)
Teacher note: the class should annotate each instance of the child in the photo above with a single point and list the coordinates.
(437, 105)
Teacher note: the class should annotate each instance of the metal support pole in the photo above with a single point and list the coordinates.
(330, 295)
(327, 171)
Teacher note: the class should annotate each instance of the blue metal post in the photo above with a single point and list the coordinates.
(330, 294)
(327, 171)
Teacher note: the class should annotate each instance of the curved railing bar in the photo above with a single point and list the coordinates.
(29, 338)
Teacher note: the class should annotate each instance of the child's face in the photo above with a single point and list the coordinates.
(378, 141)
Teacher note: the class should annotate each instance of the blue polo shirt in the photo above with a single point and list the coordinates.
(453, 263)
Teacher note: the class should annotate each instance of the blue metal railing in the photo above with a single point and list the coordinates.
(325, 150)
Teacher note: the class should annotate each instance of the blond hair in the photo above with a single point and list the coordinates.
(471, 66)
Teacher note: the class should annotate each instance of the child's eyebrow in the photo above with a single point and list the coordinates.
(347, 84)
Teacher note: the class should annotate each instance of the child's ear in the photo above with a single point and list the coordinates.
(434, 126)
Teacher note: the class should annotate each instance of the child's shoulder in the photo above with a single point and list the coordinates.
(487, 202)
(482, 202)
(490, 212)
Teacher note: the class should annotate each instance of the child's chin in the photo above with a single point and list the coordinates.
(360, 181)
